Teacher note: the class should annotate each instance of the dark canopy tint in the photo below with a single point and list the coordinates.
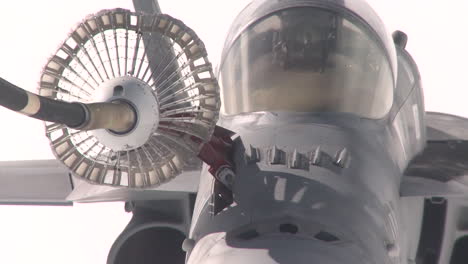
(307, 60)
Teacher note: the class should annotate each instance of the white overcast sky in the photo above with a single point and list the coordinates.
(32, 30)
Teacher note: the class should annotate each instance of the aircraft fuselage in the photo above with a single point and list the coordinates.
(322, 186)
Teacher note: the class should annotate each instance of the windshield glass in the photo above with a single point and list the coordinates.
(307, 60)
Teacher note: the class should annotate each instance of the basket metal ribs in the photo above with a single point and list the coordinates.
(113, 54)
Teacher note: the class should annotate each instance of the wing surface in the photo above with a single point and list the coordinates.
(442, 168)
(48, 182)
(34, 182)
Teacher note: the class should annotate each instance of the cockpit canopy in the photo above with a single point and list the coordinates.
(307, 60)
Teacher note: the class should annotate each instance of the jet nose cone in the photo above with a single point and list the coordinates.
(276, 249)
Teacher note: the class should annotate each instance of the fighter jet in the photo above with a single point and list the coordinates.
(322, 151)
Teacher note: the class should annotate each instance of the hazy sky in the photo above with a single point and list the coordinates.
(437, 40)
(32, 30)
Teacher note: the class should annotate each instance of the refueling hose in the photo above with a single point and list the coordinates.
(119, 117)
